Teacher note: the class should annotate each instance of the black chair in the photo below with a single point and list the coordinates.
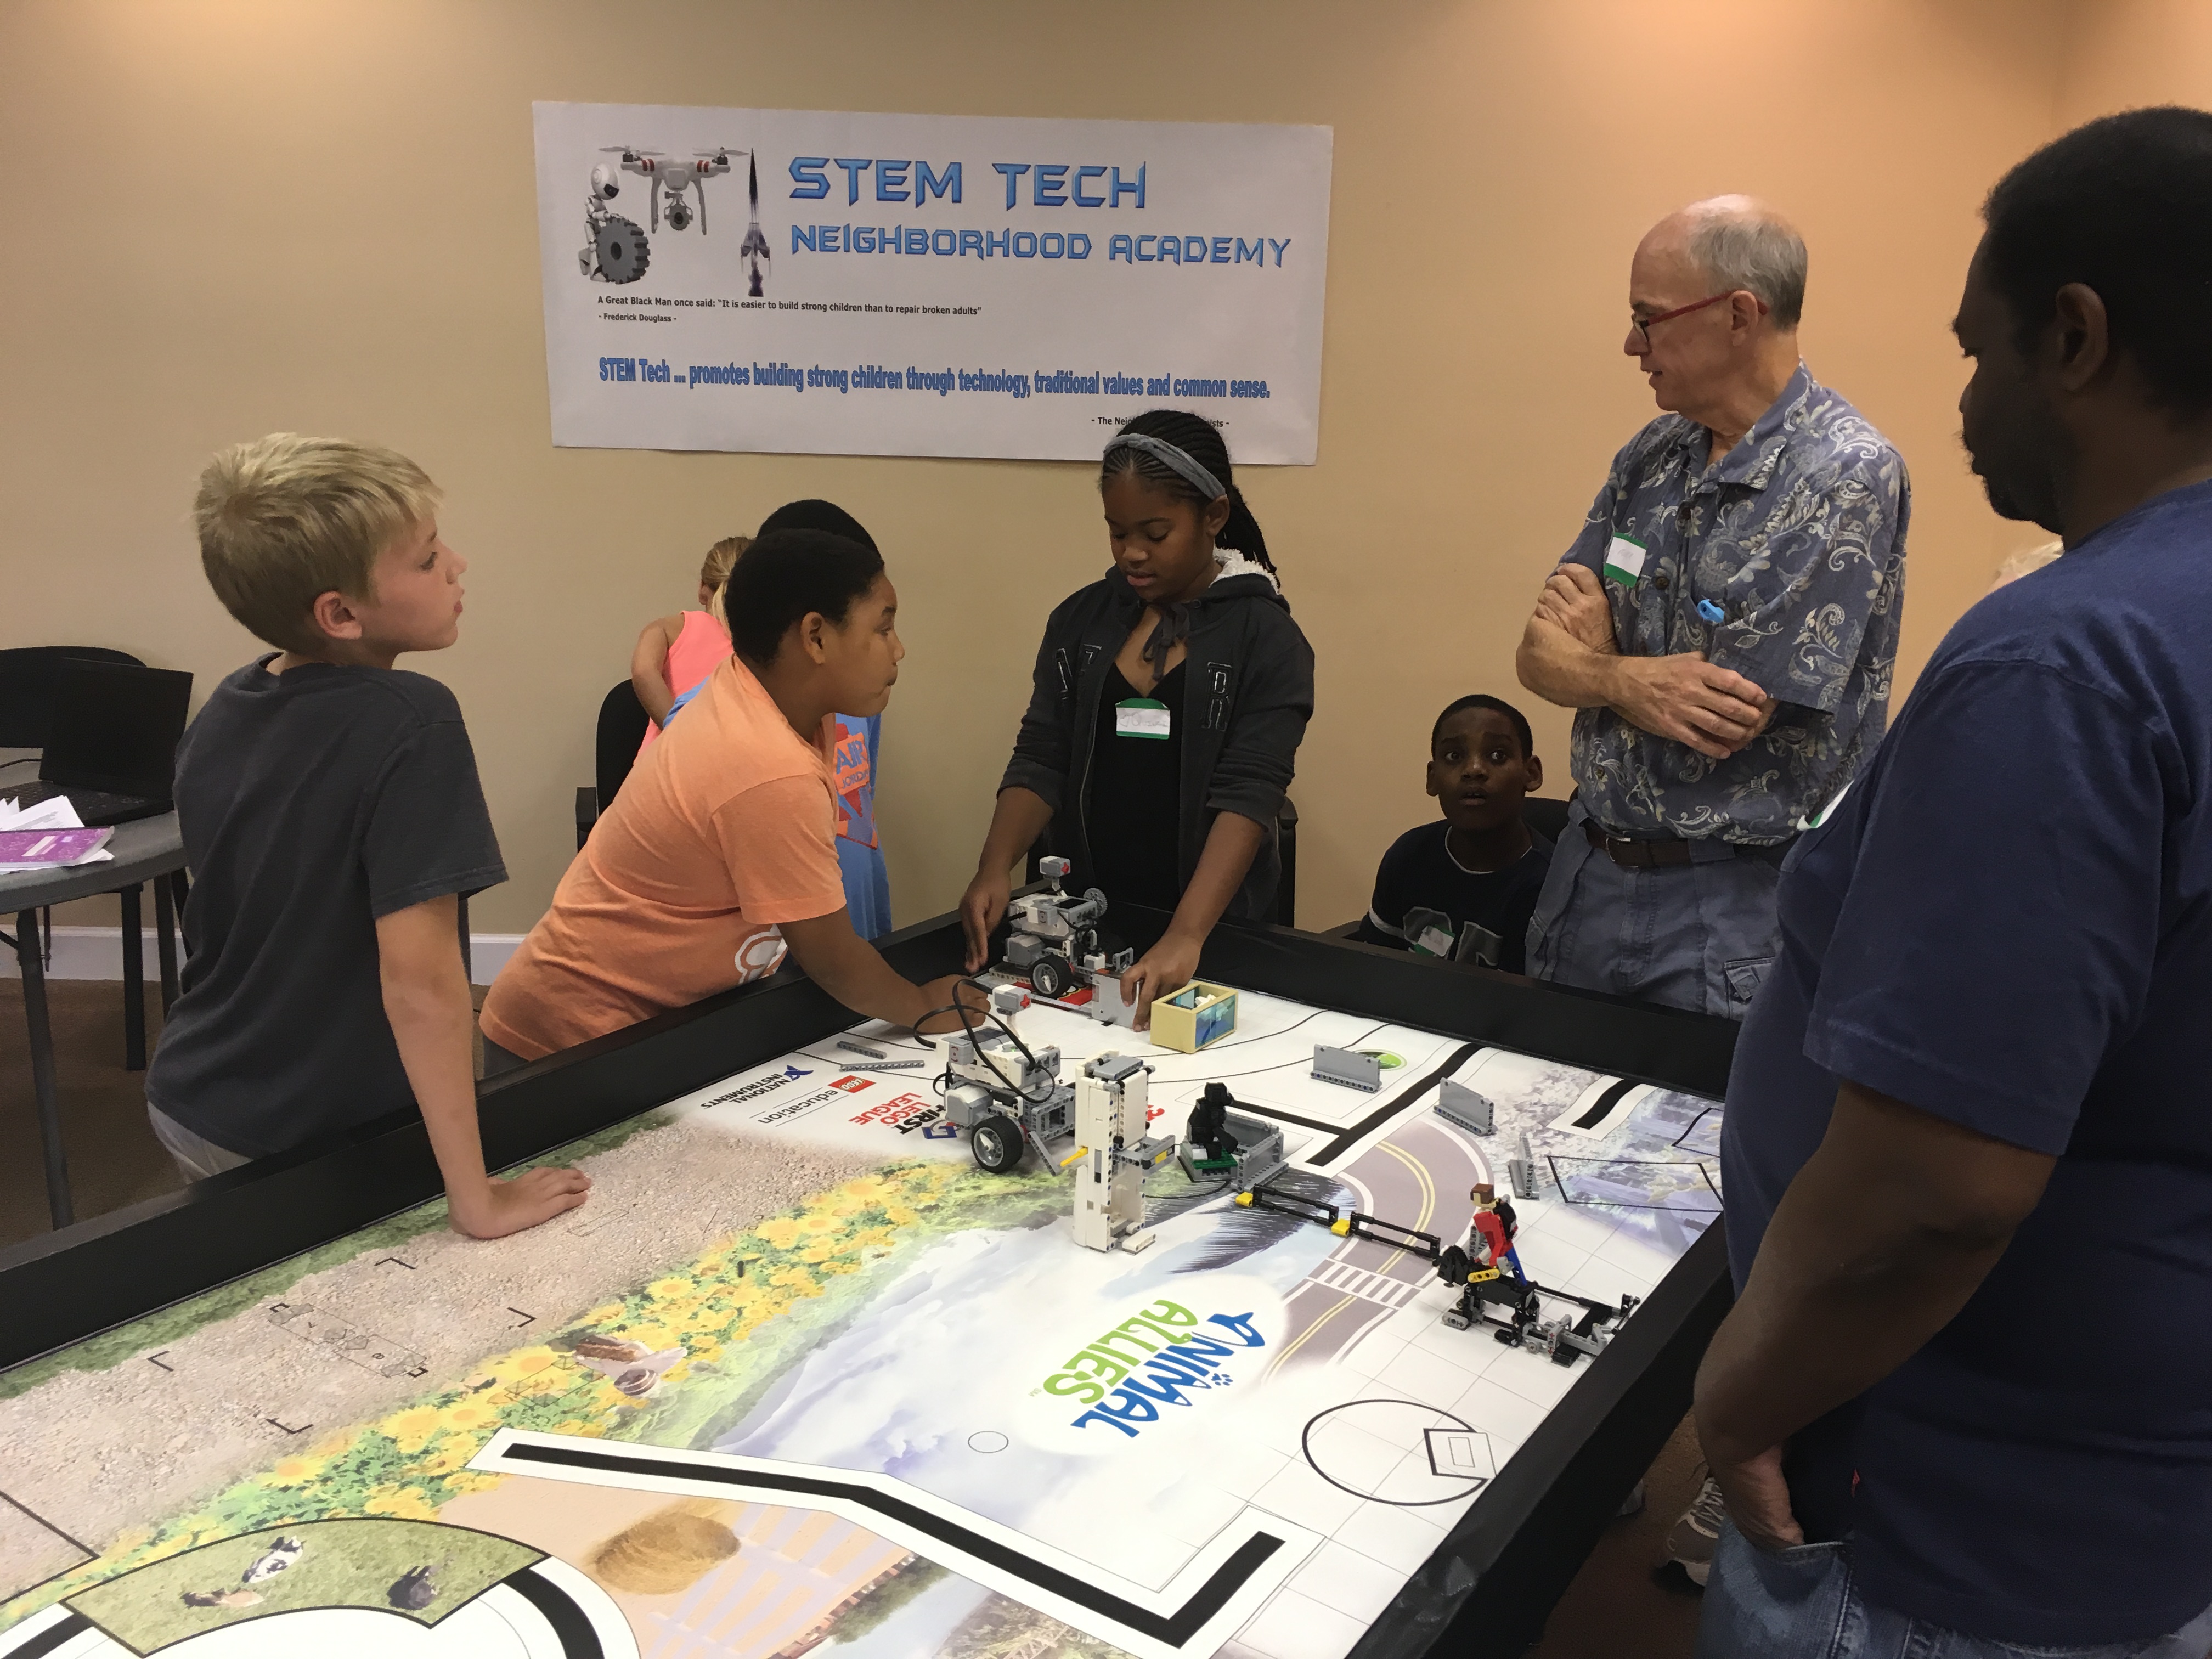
(621, 727)
(1547, 817)
(27, 693)
(28, 676)
(27, 685)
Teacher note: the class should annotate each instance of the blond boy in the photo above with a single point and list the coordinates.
(333, 818)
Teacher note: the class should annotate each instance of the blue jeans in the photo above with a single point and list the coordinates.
(1698, 936)
(1805, 1604)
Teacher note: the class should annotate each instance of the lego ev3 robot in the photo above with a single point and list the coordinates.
(1053, 942)
(1001, 1094)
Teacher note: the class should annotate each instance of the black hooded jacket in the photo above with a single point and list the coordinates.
(1248, 690)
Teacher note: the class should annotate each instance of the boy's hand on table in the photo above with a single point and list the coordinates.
(981, 906)
(501, 1207)
(1167, 967)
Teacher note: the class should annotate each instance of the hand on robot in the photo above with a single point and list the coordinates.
(980, 908)
(1168, 966)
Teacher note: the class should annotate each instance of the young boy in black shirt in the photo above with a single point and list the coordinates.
(332, 815)
(1464, 888)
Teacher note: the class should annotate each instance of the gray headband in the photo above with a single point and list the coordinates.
(1181, 461)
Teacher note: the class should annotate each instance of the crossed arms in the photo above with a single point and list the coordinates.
(1569, 656)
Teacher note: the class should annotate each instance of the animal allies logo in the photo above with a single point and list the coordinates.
(1165, 1355)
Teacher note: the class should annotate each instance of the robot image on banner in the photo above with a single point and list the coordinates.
(754, 249)
(616, 250)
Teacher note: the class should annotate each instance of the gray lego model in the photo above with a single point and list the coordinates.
(1053, 943)
(886, 1065)
(1457, 1103)
(1114, 1153)
(1523, 1171)
(860, 1048)
(1004, 1101)
(1347, 1068)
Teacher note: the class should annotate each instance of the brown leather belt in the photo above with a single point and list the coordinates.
(1662, 854)
(1638, 854)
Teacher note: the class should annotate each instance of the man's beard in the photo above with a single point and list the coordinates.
(2027, 469)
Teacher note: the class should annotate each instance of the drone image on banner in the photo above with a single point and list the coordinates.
(617, 251)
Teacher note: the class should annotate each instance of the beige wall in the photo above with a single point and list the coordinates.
(230, 218)
(2124, 53)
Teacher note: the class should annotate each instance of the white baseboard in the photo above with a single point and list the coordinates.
(97, 953)
(488, 954)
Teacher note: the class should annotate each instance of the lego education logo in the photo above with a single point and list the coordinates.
(747, 1093)
(1154, 1371)
(800, 1106)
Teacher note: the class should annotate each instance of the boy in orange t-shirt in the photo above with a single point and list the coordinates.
(720, 853)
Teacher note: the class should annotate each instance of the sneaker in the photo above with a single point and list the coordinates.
(1690, 1540)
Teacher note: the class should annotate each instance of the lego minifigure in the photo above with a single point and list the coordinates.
(1207, 1130)
(1489, 1235)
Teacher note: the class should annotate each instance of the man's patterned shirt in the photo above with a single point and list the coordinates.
(1797, 538)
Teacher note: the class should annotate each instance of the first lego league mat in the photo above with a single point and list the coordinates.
(802, 1374)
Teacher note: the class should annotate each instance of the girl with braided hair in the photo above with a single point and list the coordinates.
(1169, 701)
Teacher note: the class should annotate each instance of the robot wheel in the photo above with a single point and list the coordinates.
(996, 1141)
(1052, 977)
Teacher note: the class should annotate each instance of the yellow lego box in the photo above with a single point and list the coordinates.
(1187, 1020)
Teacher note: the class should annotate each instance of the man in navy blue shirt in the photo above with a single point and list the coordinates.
(1964, 1398)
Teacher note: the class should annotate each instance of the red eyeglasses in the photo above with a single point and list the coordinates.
(1641, 331)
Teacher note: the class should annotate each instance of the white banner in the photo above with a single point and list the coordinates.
(809, 281)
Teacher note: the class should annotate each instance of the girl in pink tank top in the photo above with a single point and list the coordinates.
(676, 652)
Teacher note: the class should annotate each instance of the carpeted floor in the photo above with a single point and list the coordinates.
(113, 1158)
(1618, 1604)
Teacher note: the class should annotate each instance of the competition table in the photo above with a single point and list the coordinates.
(1484, 1588)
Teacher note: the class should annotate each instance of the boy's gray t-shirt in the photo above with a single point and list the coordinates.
(311, 803)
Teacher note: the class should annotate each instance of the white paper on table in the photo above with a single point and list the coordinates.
(55, 812)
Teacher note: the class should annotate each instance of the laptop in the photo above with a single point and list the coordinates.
(110, 741)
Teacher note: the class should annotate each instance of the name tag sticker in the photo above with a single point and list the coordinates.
(1141, 717)
(1624, 561)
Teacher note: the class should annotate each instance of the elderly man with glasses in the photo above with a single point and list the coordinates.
(1724, 626)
